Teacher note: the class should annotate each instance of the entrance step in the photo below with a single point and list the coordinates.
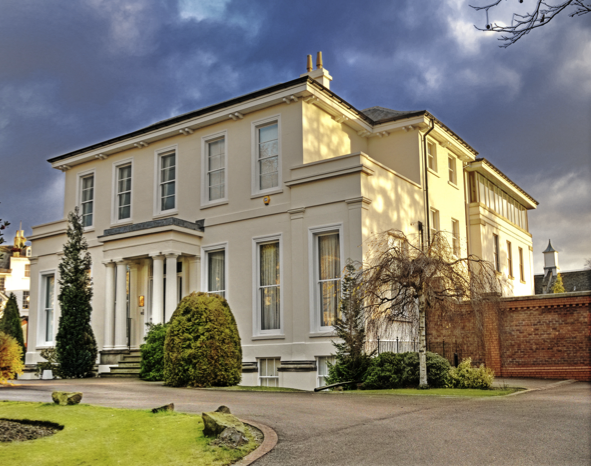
(128, 366)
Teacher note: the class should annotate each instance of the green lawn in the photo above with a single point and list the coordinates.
(455, 392)
(103, 436)
(247, 388)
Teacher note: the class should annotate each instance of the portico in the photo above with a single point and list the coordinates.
(149, 267)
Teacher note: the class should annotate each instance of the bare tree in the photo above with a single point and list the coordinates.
(402, 279)
(521, 25)
(588, 263)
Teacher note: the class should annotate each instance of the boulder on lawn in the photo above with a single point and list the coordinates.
(231, 437)
(161, 409)
(66, 398)
(214, 423)
(223, 409)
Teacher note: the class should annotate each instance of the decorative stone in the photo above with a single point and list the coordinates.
(66, 398)
(223, 409)
(161, 409)
(231, 437)
(214, 423)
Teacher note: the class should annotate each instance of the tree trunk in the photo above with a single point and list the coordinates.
(422, 343)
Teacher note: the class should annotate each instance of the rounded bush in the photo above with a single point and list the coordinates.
(152, 363)
(202, 346)
(11, 358)
(386, 371)
(466, 376)
(437, 370)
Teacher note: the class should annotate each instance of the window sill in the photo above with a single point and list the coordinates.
(266, 193)
(214, 204)
(88, 229)
(453, 185)
(121, 223)
(268, 337)
(433, 172)
(331, 333)
(168, 213)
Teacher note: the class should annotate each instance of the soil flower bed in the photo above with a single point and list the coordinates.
(105, 436)
(15, 431)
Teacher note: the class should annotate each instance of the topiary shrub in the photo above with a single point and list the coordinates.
(202, 346)
(152, 363)
(437, 370)
(466, 376)
(11, 358)
(386, 371)
(50, 363)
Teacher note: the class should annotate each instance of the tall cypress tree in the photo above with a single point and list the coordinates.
(75, 343)
(10, 323)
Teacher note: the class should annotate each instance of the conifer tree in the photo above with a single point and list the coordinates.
(10, 323)
(558, 286)
(351, 361)
(75, 343)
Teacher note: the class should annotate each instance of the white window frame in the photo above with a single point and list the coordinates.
(434, 221)
(158, 154)
(260, 377)
(255, 125)
(205, 269)
(115, 192)
(433, 157)
(452, 169)
(320, 377)
(41, 315)
(313, 234)
(79, 177)
(257, 321)
(455, 237)
(205, 140)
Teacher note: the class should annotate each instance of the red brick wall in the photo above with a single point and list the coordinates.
(546, 336)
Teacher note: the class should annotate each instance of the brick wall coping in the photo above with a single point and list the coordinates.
(571, 294)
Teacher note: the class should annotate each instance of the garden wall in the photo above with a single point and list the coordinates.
(542, 336)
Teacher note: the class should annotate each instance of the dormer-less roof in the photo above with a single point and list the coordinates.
(384, 115)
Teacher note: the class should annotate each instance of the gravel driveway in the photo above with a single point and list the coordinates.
(545, 427)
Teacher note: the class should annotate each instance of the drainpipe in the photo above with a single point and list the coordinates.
(426, 190)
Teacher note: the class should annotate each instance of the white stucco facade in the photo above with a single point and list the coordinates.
(305, 178)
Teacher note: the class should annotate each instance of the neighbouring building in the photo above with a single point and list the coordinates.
(15, 276)
(573, 280)
(262, 199)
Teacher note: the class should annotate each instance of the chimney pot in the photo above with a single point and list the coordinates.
(319, 61)
(309, 64)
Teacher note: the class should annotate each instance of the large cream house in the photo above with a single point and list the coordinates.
(262, 199)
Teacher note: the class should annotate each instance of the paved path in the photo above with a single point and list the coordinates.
(545, 427)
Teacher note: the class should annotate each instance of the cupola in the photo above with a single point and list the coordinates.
(551, 259)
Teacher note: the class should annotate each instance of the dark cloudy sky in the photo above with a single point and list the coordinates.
(73, 73)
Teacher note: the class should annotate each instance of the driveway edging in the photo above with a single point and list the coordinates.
(270, 439)
(545, 387)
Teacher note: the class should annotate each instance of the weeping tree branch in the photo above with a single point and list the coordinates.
(402, 280)
(521, 25)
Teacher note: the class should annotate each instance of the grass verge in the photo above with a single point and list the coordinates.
(455, 392)
(247, 388)
(109, 436)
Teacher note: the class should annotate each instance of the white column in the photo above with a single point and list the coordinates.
(109, 305)
(157, 289)
(121, 307)
(194, 263)
(171, 286)
(133, 313)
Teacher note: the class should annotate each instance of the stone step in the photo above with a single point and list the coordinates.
(111, 375)
(125, 370)
(127, 365)
(137, 358)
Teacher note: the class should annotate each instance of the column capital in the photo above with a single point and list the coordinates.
(120, 262)
(171, 253)
(157, 255)
(108, 263)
